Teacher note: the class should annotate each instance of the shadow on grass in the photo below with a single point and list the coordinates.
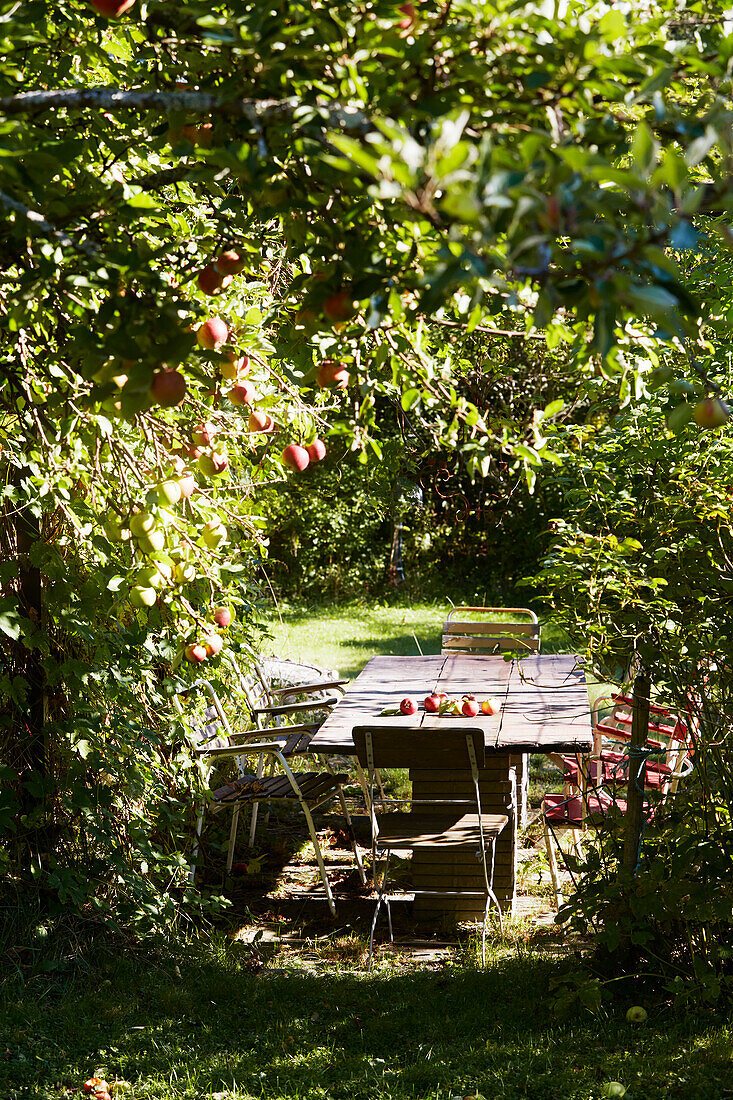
(211, 1027)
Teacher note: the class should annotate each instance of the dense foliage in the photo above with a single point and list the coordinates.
(308, 209)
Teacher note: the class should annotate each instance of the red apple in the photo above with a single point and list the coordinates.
(209, 279)
(230, 262)
(94, 1083)
(316, 450)
(214, 463)
(168, 388)
(239, 868)
(195, 653)
(112, 8)
(222, 616)
(470, 708)
(491, 706)
(203, 434)
(212, 334)
(243, 393)
(408, 705)
(234, 367)
(260, 421)
(295, 456)
(432, 703)
(339, 307)
(710, 413)
(410, 16)
(333, 373)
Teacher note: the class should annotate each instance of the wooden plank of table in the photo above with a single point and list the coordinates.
(546, 708)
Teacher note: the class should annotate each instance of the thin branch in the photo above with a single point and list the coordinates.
(492, 331)
(258, 111)
(41, 226)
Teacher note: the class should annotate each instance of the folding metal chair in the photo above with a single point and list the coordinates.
(450, 826)
(478, 630)
(212, 738)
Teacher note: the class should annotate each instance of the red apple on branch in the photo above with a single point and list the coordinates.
(260, 421)
(168, 388)
(112, 9)
(230, 262)
(187, 484)
(213, 644)
(333, 373)
(339, 307)
(212, 334)
(195, 653)
(222, 616)
(243, 393)
(296, 456)
(209, 279)
(316, 450)
(711, 413)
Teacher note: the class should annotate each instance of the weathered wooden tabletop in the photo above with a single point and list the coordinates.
(544, 701)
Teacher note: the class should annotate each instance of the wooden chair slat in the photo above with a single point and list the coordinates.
(413, 830)
(454, 627)
(397, 747)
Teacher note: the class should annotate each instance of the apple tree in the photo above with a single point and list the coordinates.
(231, 230)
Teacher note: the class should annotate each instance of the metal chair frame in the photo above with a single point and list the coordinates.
(488, 831)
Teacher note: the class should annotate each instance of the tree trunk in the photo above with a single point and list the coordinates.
(30, 606)
(637, 771)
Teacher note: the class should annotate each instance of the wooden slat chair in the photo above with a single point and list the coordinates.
(479, 630)
(212, 737)
(380, 747)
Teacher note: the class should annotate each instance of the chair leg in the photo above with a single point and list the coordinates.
(319, 858)
(354, 845)
(195, 853)
(233, 837)
(552, 861)
(380, 899)
(255, 805)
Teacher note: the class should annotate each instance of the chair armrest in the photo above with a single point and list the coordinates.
(293, 708)
(308, 688)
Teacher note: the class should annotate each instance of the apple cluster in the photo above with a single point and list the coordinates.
(97, 1088)
(440, 703)
(209, 643)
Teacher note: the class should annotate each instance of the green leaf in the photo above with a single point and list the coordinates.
(410, 398)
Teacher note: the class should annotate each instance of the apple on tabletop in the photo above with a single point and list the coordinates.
(408, 705)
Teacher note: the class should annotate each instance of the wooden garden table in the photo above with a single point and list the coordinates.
(544, 709)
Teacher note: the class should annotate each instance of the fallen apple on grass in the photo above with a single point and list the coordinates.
(637, 1015)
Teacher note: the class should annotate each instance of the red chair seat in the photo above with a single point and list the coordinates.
(615, 770)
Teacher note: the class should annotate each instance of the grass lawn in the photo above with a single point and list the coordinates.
(217, 1025)
(345, 636)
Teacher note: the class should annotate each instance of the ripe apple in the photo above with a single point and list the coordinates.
(213, 644)
(195, 653)
(613, 1090)
(214, 533)
(491, 706)
(212, 465)
(295, 456)
(212, 334)
(230, 262)
(169, 492)
(168, 388)
(186, 484)
(95, 1083)
(204, 434)
(260, 421)
(710, 413)
(432, 703)
(234, 367)
(142, 597)
(316, 450)
(111, 9)
(209, 279)
(339, 307)
(469, 707)
(222, 616)
(243, 393)
(410, 16)
(408, 705)
(333, 373)
(637, 1015)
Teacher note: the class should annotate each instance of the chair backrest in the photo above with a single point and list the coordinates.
(400, 747)
(481, 630)
(201, 710)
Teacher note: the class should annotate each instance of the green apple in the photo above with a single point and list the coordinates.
(184, 572)
(636, 1015)
(613, 1090)
(113, 529)
(169, 492)
(142, 597)
(214, 533)
(142, 523)
(152, 543)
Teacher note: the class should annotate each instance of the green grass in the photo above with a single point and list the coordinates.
(345, 636)
(205, 1026)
